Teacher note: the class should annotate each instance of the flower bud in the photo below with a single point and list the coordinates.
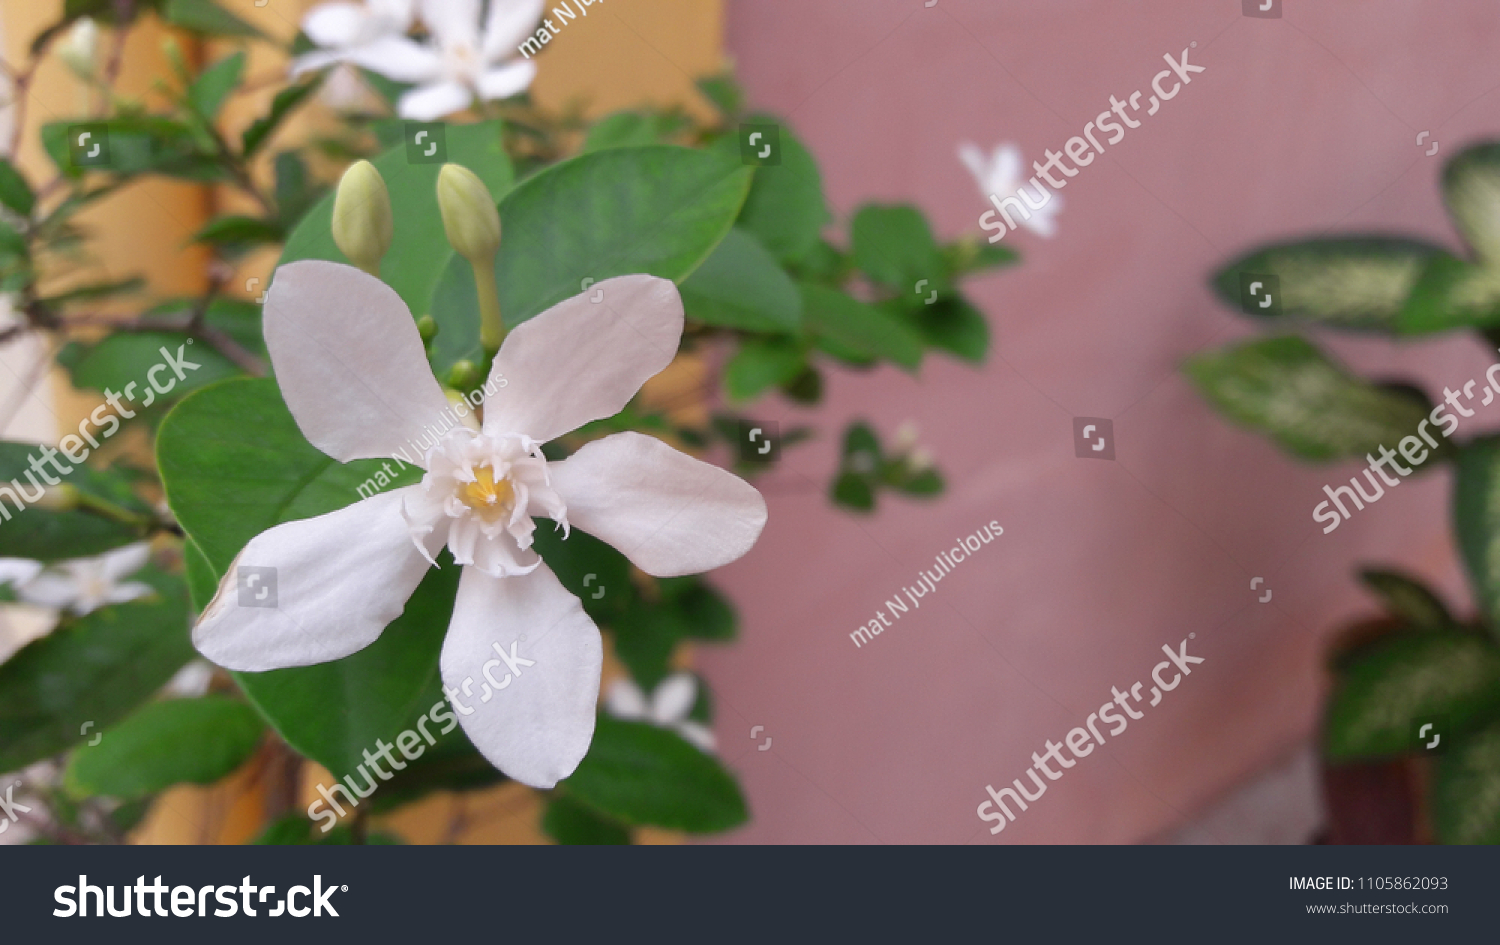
(462, 409)
(80, 48)
(362, 224)
(469, 214)
(427, 329)
(464, 375)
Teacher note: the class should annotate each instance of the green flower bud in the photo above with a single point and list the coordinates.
(427, 329)
(464, 375)
(469, 215)
(362, 224)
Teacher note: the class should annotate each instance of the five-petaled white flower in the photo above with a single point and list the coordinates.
(463, 60)
(668, 707)
(353, 372)
(81, 585)
(1000, 176)
(361, 33)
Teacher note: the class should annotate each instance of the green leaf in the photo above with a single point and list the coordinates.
(954, 325)
(281, 105)
(197, 741)
(124, 359)
(893, 246)
(139, 144)
(94, 670)
(1312, 407)
(967, 256)
(1466, 791)
(207, 93)
(45, 534)
(1408, 598)
(640, 774)
(1358, 283)
(15, 193)
(570, 822)
(704, 612)
(631, 130)
(1389, 690)
(1451, 293)
(205, 16)
(741, 286)
(866, 329)
(760, 364)
(1476, 522)
(421, 252)
(724, 92)
(455, 308)
(655, 210)
(853, 491)
(237, 230)
(785, 208)
(1471, 188)
(332, 711)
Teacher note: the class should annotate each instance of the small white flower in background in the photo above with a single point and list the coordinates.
(918, 458)
(462, 61)
(80, 47)
(81, 585)
(1002, 174)
(669, 705)
(361, 33)
(191, 681)
(354, 374)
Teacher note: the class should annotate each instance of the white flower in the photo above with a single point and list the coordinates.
(353, 372)
(81, 585)
(668, 707)
(80, 47)
(363, 34)
(462, 61)
(1000, 176)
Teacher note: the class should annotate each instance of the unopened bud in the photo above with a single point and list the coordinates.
(469, 215)
(464, 375)
(362, 224)
(463, 409)
(79, 49)
(427, 329)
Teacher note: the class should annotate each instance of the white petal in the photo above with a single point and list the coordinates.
(538, 726)
(334, 24)
(674, 698)
(398, 58)
(974, 160)
(700, 735)
(453, 22)
(509, 22)
(129, 591)
(49, 589)
(313, 61)
(1007, 169)
(431, 102)
(340, 579)
(349, 361)
(625, 700)
(506, 80)
(123, 562)
(668, 513)
(580, 360)
(18, 570)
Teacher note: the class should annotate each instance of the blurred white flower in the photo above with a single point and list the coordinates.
(361, 33)
(999, 176)
(81, 585)
(668, 706)
(462, 61)
(79, 49)
(191, 681)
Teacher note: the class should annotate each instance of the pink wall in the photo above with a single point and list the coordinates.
(1300, 124)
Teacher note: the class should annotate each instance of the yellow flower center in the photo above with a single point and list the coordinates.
(484, 495)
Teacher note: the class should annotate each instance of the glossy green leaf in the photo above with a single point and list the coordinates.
(785, 208)
(632, 130)
(282, 104)
(1466, 792)
(741, 286)
(1471, 188)
(760, 364)
(238, 230)
(139, 144)
(15, 193)
(659, 210)
(1393, 687)
(1313, 408)
(1451, 293)
(866, 329)
(122, 361)
(643, 775)
(1476, 522)
(46, 534)
(420, 251)
(1407, 598)
(196, 741)
(570, 822)
(83, 678)
(954, 325)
